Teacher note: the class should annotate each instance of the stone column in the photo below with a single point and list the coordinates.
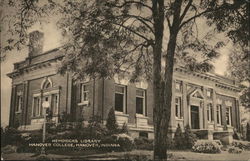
(12, 106)
(25, 102)
(184, 103)
(172, 116)
(201, 114)
(214, 108)
(205, 109)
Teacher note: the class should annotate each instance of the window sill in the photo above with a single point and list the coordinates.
(118, 113)
(41, 117)
(179, 119)
(18, 112)
(141, 116)
(210, 122)
(37, 117)
(84, 103)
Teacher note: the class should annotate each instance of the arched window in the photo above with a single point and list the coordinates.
(47, 85)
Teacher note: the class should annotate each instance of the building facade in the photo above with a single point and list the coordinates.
(203, 101)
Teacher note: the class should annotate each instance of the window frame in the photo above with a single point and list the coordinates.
(178, 103)
(124, 98)
(19, 103)
(210, 117)
(84, 92)
(36, 112)
(143, 102)
(218, 114)
(229, 113)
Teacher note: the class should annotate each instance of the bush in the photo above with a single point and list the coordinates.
(144, 143)
(244, 145)
(125, 141)
(95, 128)
(178, 138)
(234, 150)
(11, 136)
(248, 132)
(206, 146)
(189, 138)
(111, 122)
(124, 128)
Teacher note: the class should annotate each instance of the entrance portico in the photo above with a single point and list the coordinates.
(195, 108)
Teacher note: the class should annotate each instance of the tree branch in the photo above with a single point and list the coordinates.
(129, 29)
(133, 2)
(186, 9)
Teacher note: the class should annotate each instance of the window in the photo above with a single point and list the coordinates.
(120, 98)
(19, 103)
(228, 115)
(178, 111)
(178, 86)
(140, 102)
(47, 85)
(218, 114)
(84, 92)
(36, 106)
(209, 93)
(210, 112)
(54, 104)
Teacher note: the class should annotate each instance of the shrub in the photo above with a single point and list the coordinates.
(201, 134)
(206, 146)
(95, 128)
(124, 128)
(248, 132)
(189, 138)
(144, 143)
(234, 150)
(178, 138)
(111, 122)
(244, 145)
(11, 136)
(125, 141)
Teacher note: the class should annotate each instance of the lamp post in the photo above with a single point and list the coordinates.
(45, 105)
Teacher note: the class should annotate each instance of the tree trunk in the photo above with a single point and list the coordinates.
(159, 118)
(163, 86)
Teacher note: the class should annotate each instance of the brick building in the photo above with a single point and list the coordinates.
(204, 101)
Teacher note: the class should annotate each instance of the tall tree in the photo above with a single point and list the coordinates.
(125, 37)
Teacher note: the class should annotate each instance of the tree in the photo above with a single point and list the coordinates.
(111, 122)
(178, 138)
(238, 68)
(126, 37)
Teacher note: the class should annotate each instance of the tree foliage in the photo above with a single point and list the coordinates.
(111, 122)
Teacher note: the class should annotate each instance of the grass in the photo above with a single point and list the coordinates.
(174, 155)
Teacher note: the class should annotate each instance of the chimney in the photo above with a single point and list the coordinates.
(36, 40)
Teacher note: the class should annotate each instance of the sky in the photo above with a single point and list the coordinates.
(53, 39)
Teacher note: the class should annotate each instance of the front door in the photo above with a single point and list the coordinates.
(195, 117)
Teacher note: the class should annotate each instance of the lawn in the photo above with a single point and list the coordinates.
(175, 155)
